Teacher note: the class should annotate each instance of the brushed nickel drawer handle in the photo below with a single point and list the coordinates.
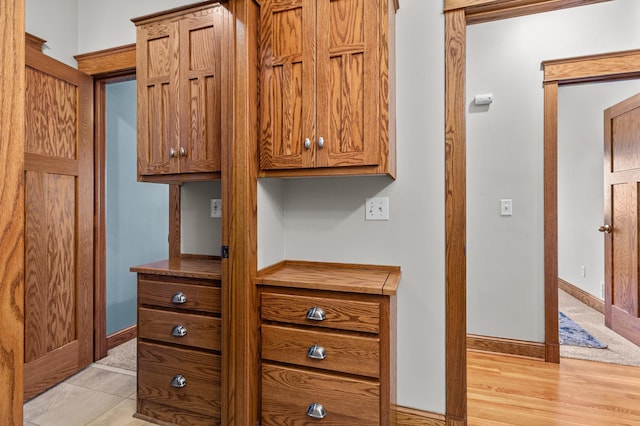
(316, 314)
(179, 298)
(178, 381)
(316, 352)
(179, 331)
(316, 411)
(307, 143)
(172, 153)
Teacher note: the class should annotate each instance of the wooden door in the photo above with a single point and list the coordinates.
(287, 84)
(58, 222)
(622, 209)
(157, 106)
(348, 83)
(201, 36)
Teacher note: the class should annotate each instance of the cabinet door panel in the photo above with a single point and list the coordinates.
(287, 84)
(348, 83)
(157, 112)
(200, 89)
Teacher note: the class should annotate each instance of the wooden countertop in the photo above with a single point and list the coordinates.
(183, 267)
(352, 278)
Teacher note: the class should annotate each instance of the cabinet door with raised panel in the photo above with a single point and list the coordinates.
(348, 83)
(287, 54)
(201, 91)
(157, 80)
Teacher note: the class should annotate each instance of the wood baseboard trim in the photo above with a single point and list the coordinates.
(586, 298)
(506, 346)
(122, 336)
(404, 416)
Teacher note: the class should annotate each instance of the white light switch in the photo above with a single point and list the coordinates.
(506, 207)
(216, 208)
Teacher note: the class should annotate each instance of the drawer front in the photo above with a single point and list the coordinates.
(204, 298)
(157, 367)
(201, 331)
(342, 353)
(341, 314)
(287, 394)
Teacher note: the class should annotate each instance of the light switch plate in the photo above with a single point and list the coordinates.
(216, 208)
(506, 207)
(377, 208)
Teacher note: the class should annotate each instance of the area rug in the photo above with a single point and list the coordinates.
(574, 335)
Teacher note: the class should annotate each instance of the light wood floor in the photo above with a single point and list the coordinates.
(505, 390)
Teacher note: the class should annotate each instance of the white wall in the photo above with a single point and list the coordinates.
(200, 233)
(56, 22)
(505, 155)
(580, 179)
(323, 218)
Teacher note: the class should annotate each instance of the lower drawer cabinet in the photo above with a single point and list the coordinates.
(292, 396)
(180, 378)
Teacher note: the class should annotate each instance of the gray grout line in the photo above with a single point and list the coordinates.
(115, 369)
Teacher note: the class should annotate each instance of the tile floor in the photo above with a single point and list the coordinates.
(99, 395)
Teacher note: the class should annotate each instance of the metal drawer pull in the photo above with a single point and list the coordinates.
(179, 298)
(316, 314)
(307, 143)
(172, 152)
(179, 331)
(316, 411)
(182, 152)
(316, 352)
(178, 381)
(320, 142)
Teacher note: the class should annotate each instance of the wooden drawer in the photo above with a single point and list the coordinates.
(204, 298)
(158, 365)
(341, 314)
(202, 331)
(344, 353)
(288, 392)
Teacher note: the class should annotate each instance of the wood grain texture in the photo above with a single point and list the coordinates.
(586, 298)
(157, 365)
(175, 230)
(551, 221)
(455, 214)
(520, 391)
(58, 222)
(478, 11)
(345, 313)
(403, 416)
(369, 279)
(12, 98)
(201, 295)
(287, 392)
(506, 346)
(332, 84)
(203, 332)
(121, 336)
(109, 62)
(183, 267)
(351, 354)
(239, 218)
(608, 66)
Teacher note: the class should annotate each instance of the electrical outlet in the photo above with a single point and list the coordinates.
(216, 208)
(376, 208)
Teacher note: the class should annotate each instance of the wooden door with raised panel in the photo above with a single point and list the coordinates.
(201, 104)
(58, 222)
(348, 83)
(288, 100)
(622, 214)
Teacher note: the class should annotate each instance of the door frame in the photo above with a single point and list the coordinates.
(562, 72)
(458, 14)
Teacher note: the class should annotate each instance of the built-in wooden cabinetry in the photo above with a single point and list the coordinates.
(179, 342)
(327, 87)
(328, 343)
(182, 93)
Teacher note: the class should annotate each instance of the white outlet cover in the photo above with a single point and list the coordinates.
(376, 208)
(216, 208)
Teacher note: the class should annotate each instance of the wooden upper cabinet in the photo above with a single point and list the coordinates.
(327, 87)
(179, 57)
